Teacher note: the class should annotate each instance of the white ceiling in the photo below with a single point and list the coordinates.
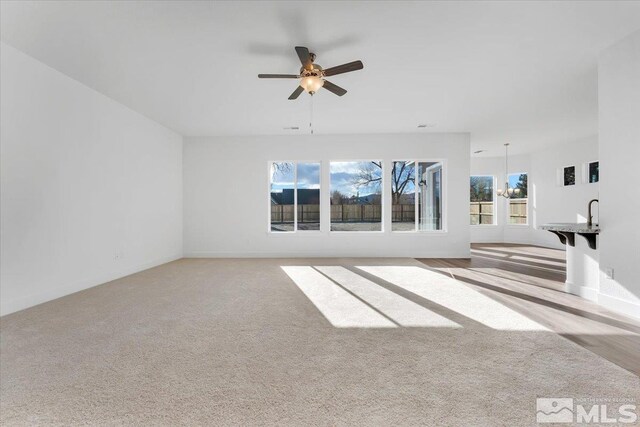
(523, 72)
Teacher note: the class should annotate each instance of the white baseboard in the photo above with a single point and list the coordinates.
(621, 306)
(585, 292)
(486, 240)
(315, 254)
(17, 304)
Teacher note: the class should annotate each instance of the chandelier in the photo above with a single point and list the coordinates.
(507, 192)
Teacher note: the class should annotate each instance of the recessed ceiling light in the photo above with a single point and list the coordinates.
(291, 128)
(426, 125)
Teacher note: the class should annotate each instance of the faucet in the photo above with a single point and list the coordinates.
(590, 215)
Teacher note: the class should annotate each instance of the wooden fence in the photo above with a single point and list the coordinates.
(482, 212)
(339, 213)
(518, 211)
(356, 213)
(284, 213)
(403, 213)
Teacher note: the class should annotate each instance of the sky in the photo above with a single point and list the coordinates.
(343, 177)
(308, 177)
(514, 179)
(513, 182)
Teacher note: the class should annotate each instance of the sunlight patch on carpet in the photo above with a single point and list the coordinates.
(338, 306)
(455, 296)
(398, 308)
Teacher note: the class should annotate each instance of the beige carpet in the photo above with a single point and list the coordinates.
(238, 342)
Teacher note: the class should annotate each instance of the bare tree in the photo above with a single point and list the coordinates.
(337, 198)
(402, 173)
(281, 167)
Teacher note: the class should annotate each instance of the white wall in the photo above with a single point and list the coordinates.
(548, 200)
(619, 131)
(226, 195)
(554, 202)
(90, 190)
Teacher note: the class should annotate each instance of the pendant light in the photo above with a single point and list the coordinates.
(507, 192)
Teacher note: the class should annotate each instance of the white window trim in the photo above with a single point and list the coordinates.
(443, 185)
(295, 232)
(382, 189)
(494, 199)
(325, 200)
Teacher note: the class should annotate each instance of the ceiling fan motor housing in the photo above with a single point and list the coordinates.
(315, 71)
(312, 79)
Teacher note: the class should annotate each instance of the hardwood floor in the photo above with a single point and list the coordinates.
(530, 280)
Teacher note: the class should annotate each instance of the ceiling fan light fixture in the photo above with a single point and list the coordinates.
(312, 75)
(311, 84)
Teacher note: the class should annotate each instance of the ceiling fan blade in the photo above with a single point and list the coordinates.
(305, 57)
(333, 88)
(277, 76)
(344, 68)
(296, 93)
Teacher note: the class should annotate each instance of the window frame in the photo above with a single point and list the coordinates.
(444, 196)
(494, 200)
(507, 210)
(386, 198)
(382, 196)
(295, 230)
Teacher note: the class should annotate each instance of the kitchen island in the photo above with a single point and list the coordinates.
(583, 267)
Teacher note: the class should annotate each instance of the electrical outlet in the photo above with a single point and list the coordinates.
(608, 273)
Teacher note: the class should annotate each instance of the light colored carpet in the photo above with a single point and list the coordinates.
(238, 342)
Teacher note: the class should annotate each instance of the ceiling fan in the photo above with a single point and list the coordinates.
(312, 75)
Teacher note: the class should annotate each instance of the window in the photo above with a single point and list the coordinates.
(295, 196)
(403, 196)
(482, 200)
(282, 197)
(413, 210)
(569, 176)
(308, 196)
(356, 196)
(594, 172)
(430, 205)
(518, 203)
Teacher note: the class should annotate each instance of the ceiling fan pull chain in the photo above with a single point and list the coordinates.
(311, 115)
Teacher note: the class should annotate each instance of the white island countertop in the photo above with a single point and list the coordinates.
(568, 227)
